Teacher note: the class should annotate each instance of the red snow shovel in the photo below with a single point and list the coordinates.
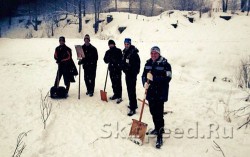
(138, 128)
(102, 92)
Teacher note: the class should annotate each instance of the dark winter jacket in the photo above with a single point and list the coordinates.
(114, 58)
(62, 54)
(63, 57)
(131, 61)
(162, 74)
(91, 56)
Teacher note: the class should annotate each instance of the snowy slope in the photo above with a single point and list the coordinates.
(89, 127)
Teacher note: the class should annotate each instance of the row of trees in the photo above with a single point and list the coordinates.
(8, 8)
(54, 11)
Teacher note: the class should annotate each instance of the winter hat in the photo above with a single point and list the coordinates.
(111, 42)
(155, 49)
(87, 37)
(127, 40)
(62, 38)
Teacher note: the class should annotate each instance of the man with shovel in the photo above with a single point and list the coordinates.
(113, 58)
(157, 89)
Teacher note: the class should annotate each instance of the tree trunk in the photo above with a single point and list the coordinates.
(97, 5)
(129, 5)
(224, 5)
(52, 29)
(115, 5)
(201, 3)
(74, 7)
(84, 8)
(140, 7)
(248, 8)
(80, 15)
(36, 16)
(152, 8)
(66, 8)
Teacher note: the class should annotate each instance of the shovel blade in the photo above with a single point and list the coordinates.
(137, 132)
(103, 95)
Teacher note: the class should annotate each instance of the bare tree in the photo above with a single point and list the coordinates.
(248, 8)
(140, 7)
(45, 107)
(84, 8)
(224, 5)
(183, 4)
(152, 7)
(129, 5)
(80, 15)
(244, 73)
(116, 5)
(97, 7)
(202, 6)
(234, 5)
(218, 148)
(36, 16)
(20, 144)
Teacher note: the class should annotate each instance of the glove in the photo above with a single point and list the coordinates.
(146, 85)
(149, 76)
(79, 62)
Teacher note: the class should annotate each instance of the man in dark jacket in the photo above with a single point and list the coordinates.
(89, 64)
(63, 56)
(131, 67)
(114, 57)
(158, 71)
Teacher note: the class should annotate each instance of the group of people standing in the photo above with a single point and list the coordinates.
(128, 61)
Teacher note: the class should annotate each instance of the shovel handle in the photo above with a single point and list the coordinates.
(143, 101)
(79, 85)
(106, 80)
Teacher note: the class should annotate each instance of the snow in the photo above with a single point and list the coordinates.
(199, 51)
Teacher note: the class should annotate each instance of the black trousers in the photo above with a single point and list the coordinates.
(156, 108)
(63, 71)
(116, 81)
(131, 89)
(89, 78)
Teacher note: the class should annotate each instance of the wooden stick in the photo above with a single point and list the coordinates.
(79, 86)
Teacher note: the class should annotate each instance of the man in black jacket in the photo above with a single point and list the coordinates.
(159, 72)
(63, 56)
(131, 67)
(89, 64)
(114, 57)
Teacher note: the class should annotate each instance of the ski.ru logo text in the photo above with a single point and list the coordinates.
(192, 131)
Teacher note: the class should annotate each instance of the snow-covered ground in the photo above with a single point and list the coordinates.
(198, 52)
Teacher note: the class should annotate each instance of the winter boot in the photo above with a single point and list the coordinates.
(131, 112)
(152, 132)
(119, 100)
(159, 141)
(113, 97)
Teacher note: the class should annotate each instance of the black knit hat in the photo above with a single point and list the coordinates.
(111, 42)
(87, 37)
(62, 38)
